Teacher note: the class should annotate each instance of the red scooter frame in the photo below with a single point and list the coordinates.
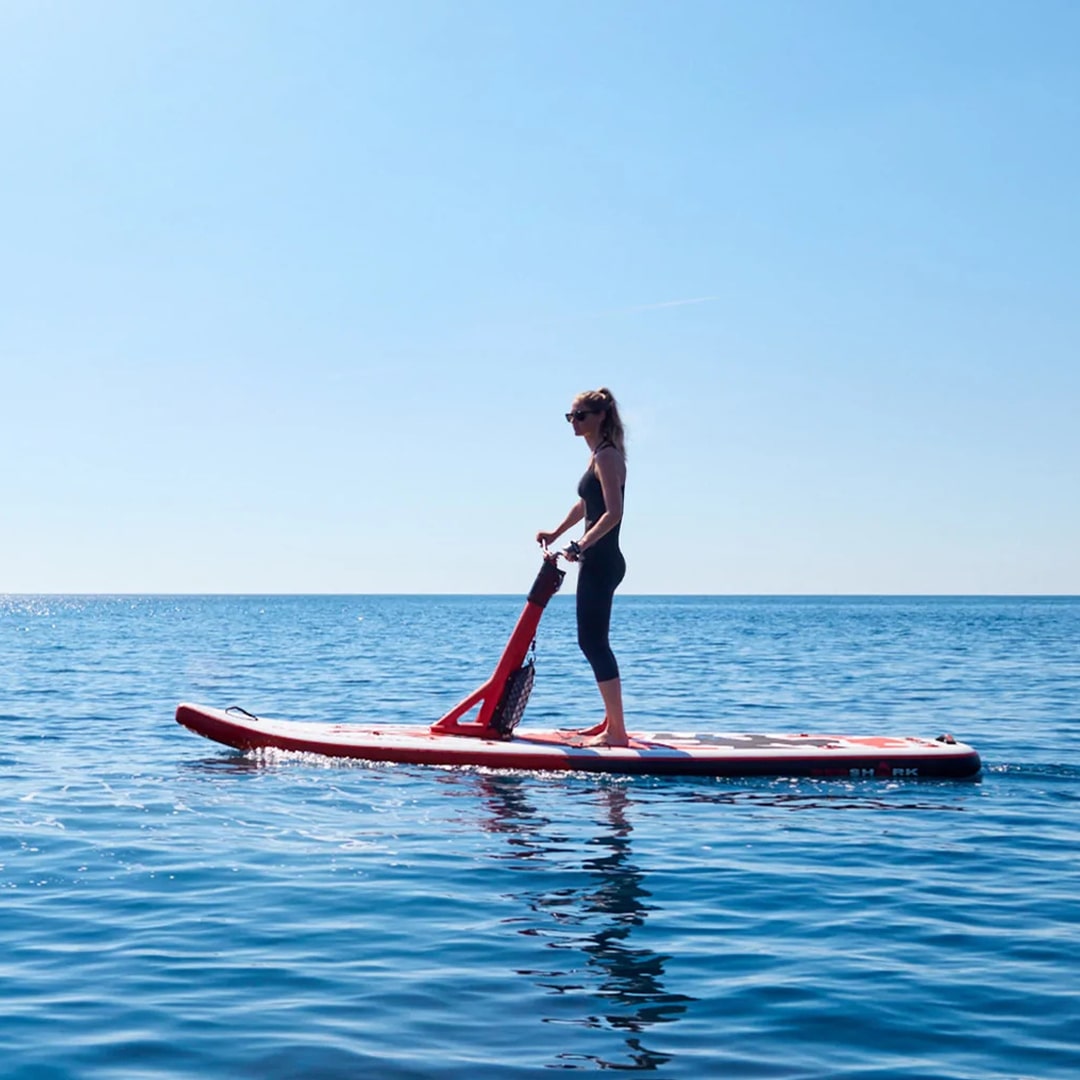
(544, 588)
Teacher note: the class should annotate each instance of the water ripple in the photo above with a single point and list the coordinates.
(182, 911)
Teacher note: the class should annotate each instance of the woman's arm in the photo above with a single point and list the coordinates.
(577, 512)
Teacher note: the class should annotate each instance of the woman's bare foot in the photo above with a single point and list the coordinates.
(596, 729)
(607, 738)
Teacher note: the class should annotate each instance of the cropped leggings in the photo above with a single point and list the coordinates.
(600, 574)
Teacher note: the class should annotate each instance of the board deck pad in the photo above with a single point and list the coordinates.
(670, 753)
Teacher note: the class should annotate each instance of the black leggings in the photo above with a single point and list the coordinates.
(599, 577)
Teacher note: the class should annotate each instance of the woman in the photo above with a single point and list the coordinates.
(595, 417)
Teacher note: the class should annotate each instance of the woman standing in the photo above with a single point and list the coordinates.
(595, 417)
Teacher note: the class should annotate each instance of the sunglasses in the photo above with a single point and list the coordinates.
(580, 414)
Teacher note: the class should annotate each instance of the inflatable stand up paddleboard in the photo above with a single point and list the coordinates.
(489, 739)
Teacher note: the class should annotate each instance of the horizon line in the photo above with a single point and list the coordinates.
(563, 596)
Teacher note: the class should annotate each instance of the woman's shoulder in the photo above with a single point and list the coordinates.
(609, 456)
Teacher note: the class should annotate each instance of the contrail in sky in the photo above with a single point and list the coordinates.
(656, 307)
(673, 303)
(639, 307)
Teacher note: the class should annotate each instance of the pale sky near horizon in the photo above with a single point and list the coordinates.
(293, 297)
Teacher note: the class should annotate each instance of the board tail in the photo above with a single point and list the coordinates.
(503, 697)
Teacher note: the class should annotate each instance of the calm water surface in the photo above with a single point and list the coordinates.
(169, 908)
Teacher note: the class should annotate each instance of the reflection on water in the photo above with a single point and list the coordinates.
(588, 926)
(822, 800)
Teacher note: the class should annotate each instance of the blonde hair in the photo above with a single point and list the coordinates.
(611, 427)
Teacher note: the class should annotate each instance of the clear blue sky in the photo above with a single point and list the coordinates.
(293, 296)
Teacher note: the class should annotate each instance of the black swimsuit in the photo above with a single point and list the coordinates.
(602, 569)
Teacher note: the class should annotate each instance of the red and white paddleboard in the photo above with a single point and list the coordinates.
(661, 753)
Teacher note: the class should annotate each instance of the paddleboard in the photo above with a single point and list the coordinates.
(671, 753)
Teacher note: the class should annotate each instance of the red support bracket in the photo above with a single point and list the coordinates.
(487, 695)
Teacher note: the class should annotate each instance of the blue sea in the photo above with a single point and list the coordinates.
(172, 908)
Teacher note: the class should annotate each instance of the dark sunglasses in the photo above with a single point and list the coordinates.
(580, 414)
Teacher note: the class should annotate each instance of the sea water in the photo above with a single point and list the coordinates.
(172, 908)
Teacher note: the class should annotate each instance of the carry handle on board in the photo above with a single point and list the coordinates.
(489, 694)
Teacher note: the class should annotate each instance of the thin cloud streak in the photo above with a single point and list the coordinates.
(671, 303)
(605, 313)
(651, 307)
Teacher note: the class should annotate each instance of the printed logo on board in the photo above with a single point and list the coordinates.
(906, 770)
